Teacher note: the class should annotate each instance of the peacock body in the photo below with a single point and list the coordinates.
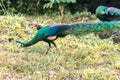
(109, 14)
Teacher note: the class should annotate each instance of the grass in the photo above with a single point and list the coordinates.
(77, 58)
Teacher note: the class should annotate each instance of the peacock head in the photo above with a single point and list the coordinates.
(101, 10)
(21, 44)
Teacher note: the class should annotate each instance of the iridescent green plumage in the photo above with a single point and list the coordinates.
(94, 27)
(108, 13)
(78, 29)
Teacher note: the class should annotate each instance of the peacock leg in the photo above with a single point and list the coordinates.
(54, 45)
(48, 47)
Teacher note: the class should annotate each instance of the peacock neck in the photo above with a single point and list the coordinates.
(30, 42)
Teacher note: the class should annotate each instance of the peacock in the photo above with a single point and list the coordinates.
(108, 14)
(48, 34)
(51, 32)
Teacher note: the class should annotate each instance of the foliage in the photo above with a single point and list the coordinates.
(62, 1)
(77, 58)
(22, 6)
(33, 7)
(59, 2)
(61, 6)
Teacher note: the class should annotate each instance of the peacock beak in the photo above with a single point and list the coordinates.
(21, 44)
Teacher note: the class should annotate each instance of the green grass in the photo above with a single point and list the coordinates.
(77, 58)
